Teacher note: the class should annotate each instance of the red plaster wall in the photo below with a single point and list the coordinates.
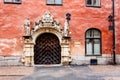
(12, 18)
(117, 19)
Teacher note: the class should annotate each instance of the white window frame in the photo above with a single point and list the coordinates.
(90, 37)
(54, 2)
(12, 1)
(98, 3)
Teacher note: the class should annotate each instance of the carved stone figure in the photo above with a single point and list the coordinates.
(66, 27)
(27, 26)
(37, 25)
(57, 22)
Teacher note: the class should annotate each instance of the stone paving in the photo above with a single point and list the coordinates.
(88, 72)
(98, 72)
(14, 73)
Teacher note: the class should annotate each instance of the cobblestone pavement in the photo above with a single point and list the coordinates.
(97, 72)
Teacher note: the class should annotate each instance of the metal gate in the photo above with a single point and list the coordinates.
(47, 49)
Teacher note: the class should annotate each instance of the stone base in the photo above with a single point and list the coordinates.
(10, 61)
(76, 60)
(85, 60)
(118, 58)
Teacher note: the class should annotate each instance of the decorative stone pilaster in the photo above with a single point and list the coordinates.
(66, 57)
(28, 51)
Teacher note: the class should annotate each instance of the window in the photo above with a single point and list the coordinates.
(93, 42)
(94, 3)
(12, 1)
(54, 2)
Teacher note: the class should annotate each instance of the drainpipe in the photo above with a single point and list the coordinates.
(114, 41)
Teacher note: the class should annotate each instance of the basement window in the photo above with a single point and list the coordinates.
(93, 3)
(54, 2)
(13, 1)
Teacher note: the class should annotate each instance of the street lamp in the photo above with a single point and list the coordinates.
(111, 19)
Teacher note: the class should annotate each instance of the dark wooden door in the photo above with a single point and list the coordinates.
(47, 49)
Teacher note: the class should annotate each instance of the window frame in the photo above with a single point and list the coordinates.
(100, 40)
(92, 5)
(55, 3)
(13, 2)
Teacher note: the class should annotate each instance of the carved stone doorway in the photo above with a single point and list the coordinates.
(47, 42)
(47, 49)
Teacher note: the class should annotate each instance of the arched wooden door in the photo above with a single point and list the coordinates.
(47, 49)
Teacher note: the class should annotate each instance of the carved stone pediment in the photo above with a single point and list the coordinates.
(47, 18)
(47, 21)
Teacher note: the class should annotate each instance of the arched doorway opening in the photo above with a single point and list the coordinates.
(47, 49)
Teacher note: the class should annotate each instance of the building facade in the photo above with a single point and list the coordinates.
(38, 32)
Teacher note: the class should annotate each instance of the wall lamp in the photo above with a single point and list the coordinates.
(110, 20)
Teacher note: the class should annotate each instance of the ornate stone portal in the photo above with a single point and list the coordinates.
(47, 24)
